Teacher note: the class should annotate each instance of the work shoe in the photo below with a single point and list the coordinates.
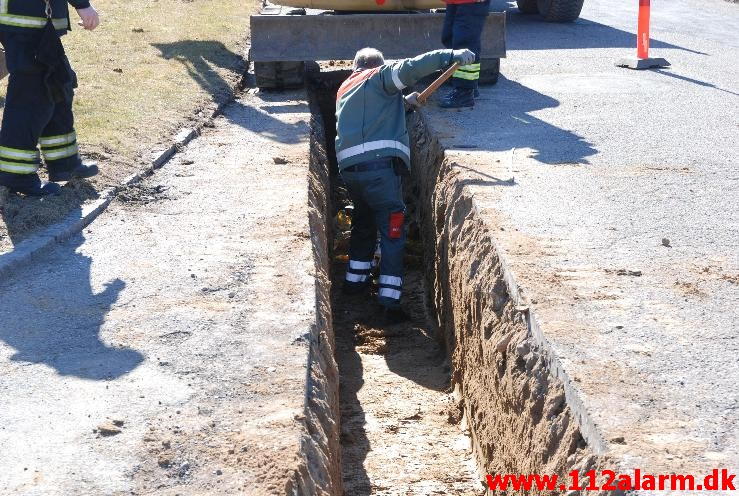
(476, 94)
(41, 188)
(82, 171)
(459, 98)
(394, 315)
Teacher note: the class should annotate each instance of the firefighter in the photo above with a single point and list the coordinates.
(372, 150)
(463, 24)
(37, 119)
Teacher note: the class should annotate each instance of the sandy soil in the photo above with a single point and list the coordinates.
(401, 431)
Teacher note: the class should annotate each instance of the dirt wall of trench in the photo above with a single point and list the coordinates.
(519, 415)
(319, 470)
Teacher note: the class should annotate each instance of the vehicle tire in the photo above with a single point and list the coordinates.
(560, 10)
(489, 71)
(528, 6)
(279, 75)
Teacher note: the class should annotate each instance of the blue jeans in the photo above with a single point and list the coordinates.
(463, 25)
(378, 206)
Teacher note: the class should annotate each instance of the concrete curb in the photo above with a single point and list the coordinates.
(28, 249)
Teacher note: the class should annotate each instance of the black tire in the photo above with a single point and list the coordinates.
(528, 6)
(560, 10)
(489, 71)
(279, 75)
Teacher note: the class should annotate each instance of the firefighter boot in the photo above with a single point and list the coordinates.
(459, 98)
(40, 188)
(83, 170)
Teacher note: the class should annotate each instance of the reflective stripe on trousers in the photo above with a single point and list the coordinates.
(470, 72)
(390, 287)
(358, 272)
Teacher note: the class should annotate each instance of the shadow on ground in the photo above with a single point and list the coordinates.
(202, 58)
(23, 216)
(511, 124)
(57, 317)
(408, 349)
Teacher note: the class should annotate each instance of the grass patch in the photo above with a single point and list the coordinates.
(149, 69)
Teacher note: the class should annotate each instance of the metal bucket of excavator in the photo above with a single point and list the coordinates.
(284, 37)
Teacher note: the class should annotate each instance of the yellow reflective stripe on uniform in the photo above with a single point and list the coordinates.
(470, 76)
(470, 72)
(31, 22)
(60, 153)
(16, 168)
(3, 6)
(17, 154)
(62, 139)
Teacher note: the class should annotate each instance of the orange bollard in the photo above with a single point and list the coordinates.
(642, 60)
(642, 41)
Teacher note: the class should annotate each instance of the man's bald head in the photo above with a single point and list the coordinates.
(368, 58)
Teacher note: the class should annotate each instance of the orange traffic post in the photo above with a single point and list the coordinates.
(642, 60)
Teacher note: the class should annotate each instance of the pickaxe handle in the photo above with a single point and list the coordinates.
(425, 94)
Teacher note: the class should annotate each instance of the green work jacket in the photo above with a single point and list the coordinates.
(370, 114)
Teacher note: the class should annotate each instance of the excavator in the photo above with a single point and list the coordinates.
(286, 36)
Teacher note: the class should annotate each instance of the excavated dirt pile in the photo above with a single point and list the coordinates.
(516, 408)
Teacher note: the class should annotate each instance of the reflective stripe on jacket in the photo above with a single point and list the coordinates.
(370, 114)
(25, 15)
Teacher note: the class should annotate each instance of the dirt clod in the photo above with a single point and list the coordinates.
(108, 429)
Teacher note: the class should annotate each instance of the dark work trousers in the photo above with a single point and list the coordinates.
(378, 206)
(32, 119)
(463, 25)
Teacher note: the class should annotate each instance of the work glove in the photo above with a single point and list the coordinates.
(464, 56)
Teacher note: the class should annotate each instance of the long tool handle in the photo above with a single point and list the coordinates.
(439, 81)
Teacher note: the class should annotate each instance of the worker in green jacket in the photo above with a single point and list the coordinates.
(38, 106)
(373, 152)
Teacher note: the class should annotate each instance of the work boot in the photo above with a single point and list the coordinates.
(476, 94)
(394, 315)
(459, 98)
(41, 188)
(83, 170)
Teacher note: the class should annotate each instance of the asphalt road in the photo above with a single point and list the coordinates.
(607, 163)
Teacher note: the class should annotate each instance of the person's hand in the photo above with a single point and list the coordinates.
(90, 18)
(464, 56)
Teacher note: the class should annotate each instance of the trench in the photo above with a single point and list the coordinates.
(463, 389)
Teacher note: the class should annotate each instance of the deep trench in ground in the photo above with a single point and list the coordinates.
(401, 429)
